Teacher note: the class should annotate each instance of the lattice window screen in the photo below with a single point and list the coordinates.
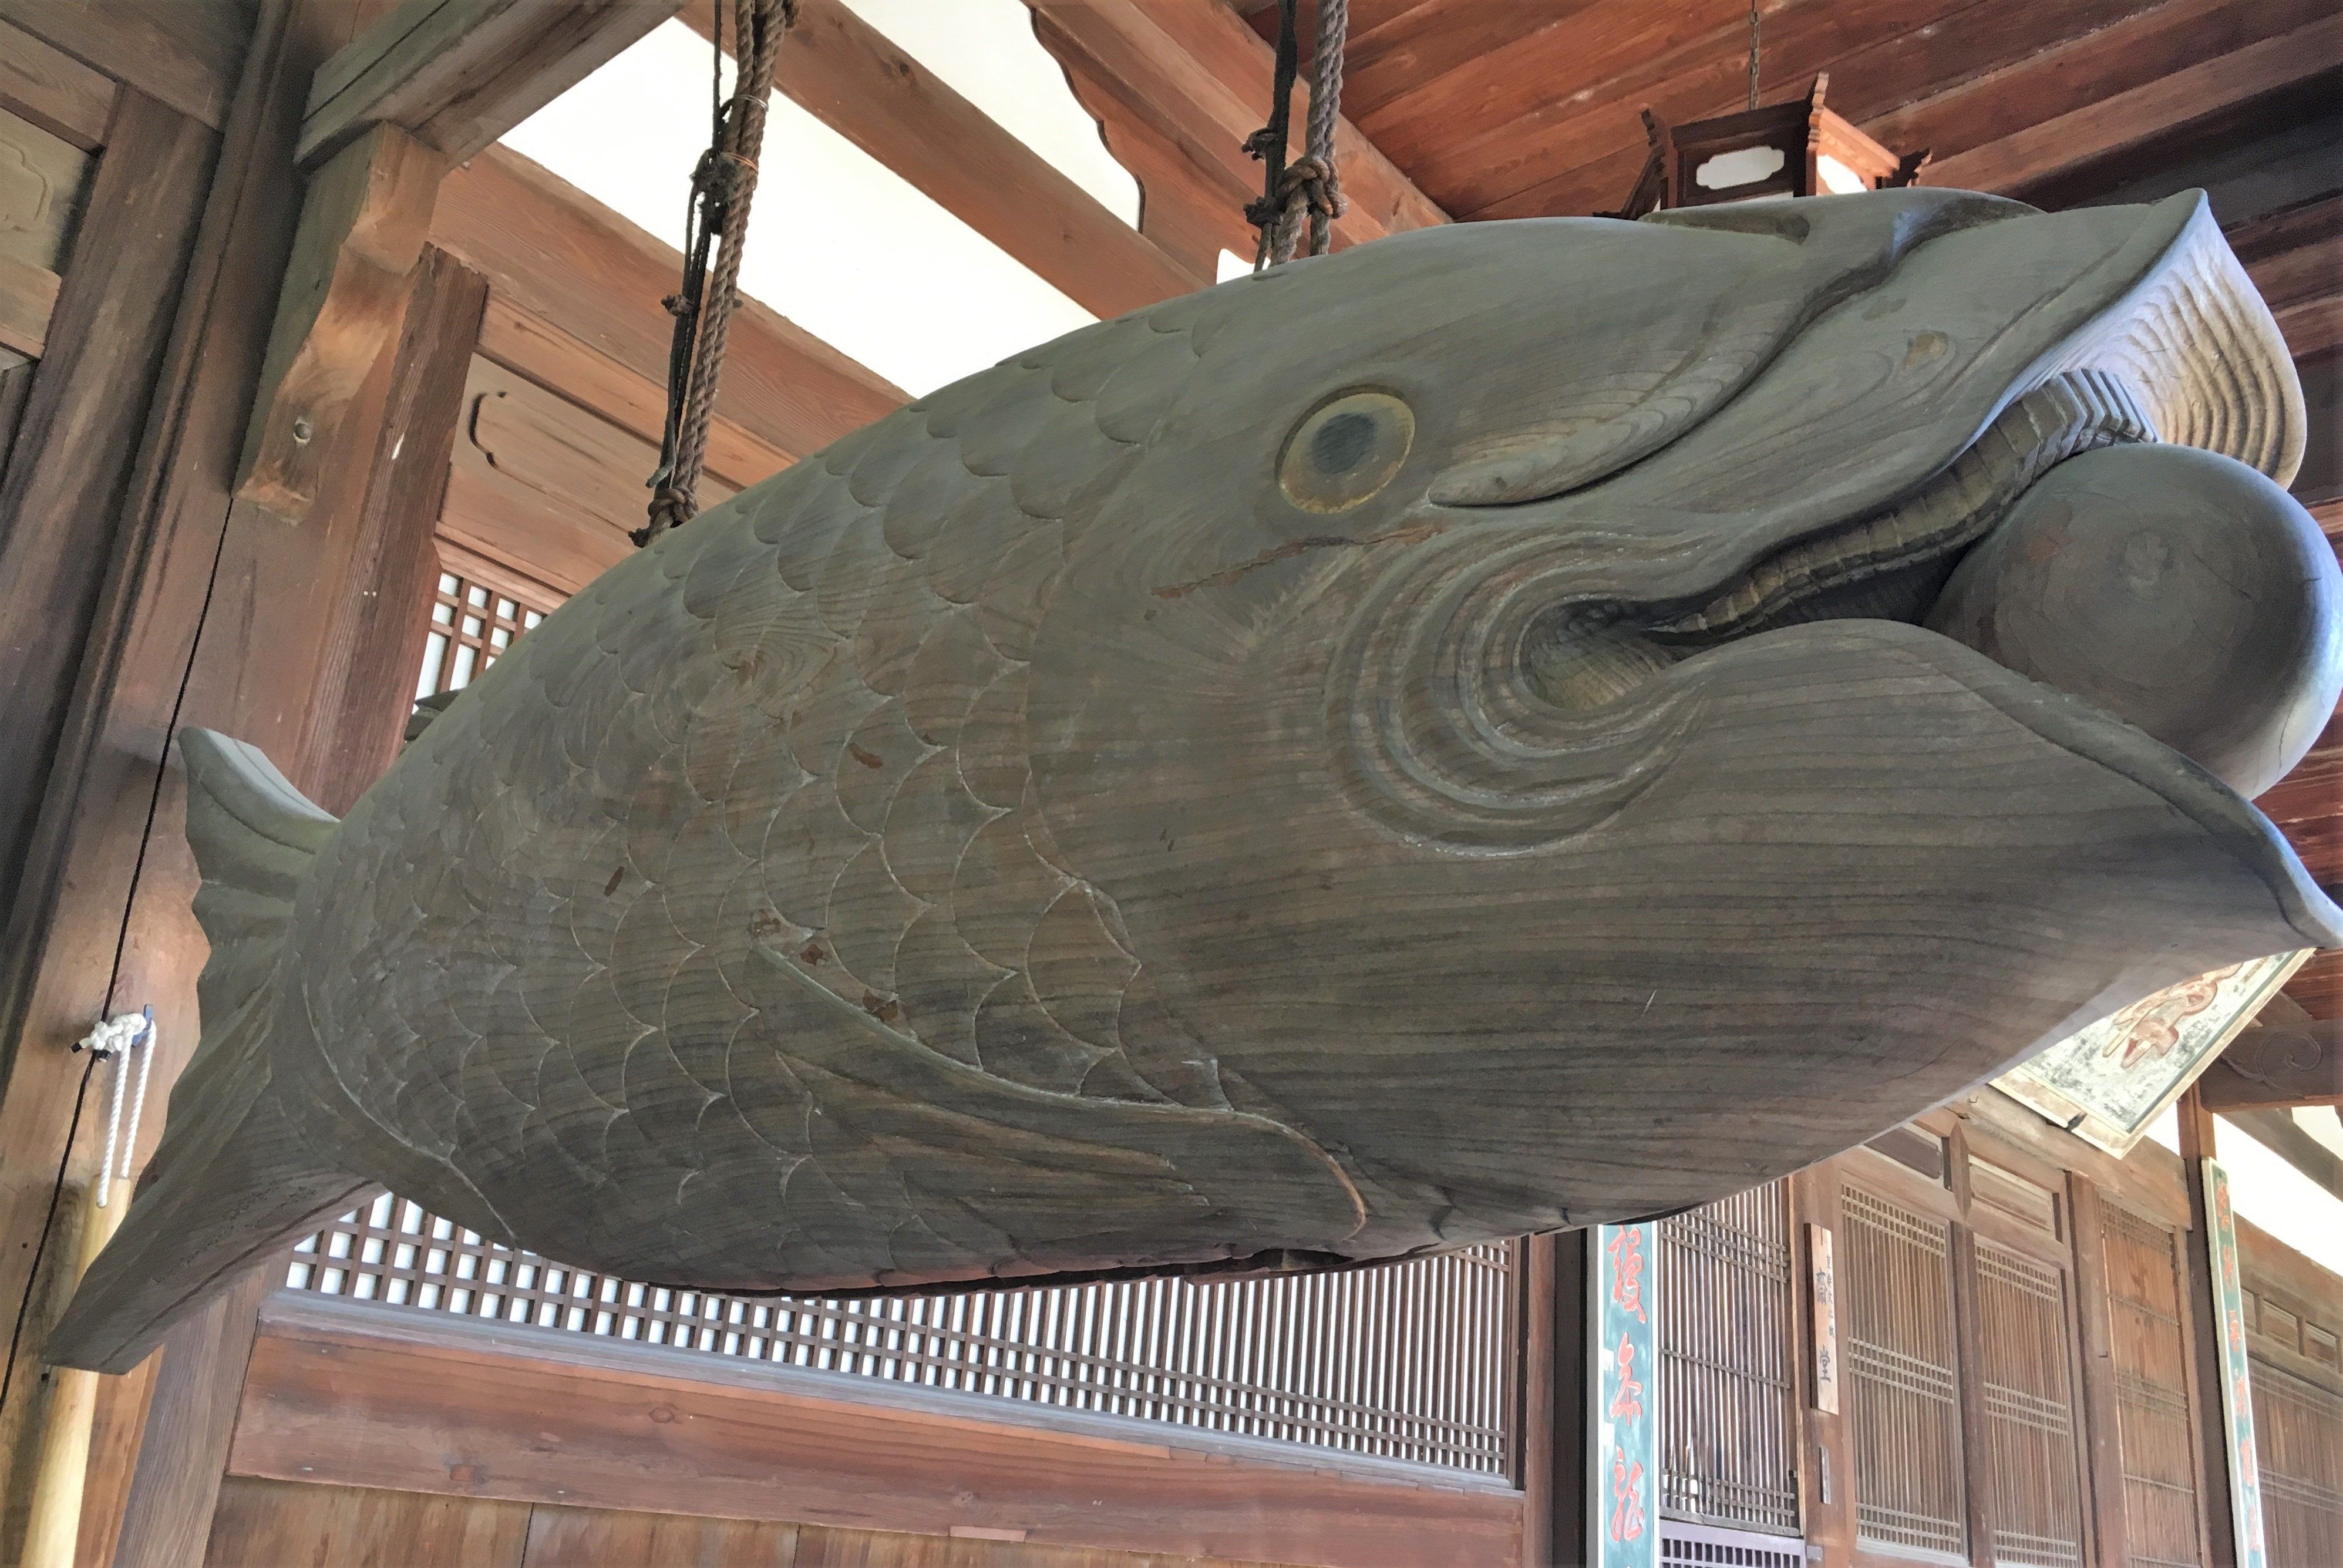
(1410, 1360)
(1728, 1433)
(2023, 1354)
(2299, 1437)
(2153, 1424)
(1902, 1406)
(471, 624)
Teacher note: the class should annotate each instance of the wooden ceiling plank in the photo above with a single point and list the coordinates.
(2083, 73)
(53, 90)
(508, 218)
(1884, 71)
(1561, 154)
(2295, 256)
(1485, 130)
(847, 74)
(457, 73)
(2151, 111)
(1431, 39)
(2318, 986)
(186, 53)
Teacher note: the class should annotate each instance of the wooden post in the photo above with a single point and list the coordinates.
(376, 643)
(2197, 1141)
(53, 1529)
(2102, 1435)
(1825, 1460)
(1564, 1503)
(346, 288)
(1535, 1390)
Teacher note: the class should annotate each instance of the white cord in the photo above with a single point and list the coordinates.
(114, 1040)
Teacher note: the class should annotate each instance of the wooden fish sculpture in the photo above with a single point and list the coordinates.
(1425, 745)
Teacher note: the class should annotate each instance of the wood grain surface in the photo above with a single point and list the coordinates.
(185, 55)
(357, 1398)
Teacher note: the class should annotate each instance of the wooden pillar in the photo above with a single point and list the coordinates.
(1554, 1453)
(74, 519)
(1534, 1391)
(2102, 1445)
(1826, 1459)
(2198, 1138)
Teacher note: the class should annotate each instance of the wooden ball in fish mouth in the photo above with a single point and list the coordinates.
(2180, 590)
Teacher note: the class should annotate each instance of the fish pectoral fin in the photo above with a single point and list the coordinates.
(1072, 1182)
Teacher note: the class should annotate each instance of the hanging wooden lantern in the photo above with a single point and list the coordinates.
(1798, 148)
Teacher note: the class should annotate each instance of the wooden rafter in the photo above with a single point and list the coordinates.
(846, 74)
(506, 217)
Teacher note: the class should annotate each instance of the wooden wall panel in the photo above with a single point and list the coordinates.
(302, 1524)
(286, 1524)
(346, 1394)
(600, 1537)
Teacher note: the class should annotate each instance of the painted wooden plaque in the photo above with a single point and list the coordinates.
(1623, 1522)
(1824, 1280)
(2236, 1391)
(2108, 1082)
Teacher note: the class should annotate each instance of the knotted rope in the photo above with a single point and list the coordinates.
(723, 184)
(1308, 184)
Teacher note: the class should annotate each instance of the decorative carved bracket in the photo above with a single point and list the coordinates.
(2284, 1059)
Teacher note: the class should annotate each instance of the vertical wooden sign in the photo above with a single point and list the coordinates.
(1824, 1282)
(2236, 1391)
(1624, 1488)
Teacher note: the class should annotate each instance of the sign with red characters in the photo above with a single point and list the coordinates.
(1625, 1485)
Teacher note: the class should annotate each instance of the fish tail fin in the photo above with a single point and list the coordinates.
(232, 1181)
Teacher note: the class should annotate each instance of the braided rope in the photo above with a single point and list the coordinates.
(723, 186)
(1307, 185)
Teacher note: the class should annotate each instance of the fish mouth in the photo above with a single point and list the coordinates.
(1887, 565)
(1594, 662)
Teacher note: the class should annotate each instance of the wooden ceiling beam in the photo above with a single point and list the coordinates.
(554, 253)
(1178, 84)
(847, 74)
(2154, 112)
(455, 75)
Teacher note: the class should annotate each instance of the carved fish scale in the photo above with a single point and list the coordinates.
(851, 769)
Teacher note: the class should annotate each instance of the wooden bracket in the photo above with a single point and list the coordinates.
(2284, 1058)
(363, 225)
(459, 74)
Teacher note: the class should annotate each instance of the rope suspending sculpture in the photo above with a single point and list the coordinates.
(1307, 185)
(722, 187)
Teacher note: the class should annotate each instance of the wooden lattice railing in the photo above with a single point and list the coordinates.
(1410, 1361)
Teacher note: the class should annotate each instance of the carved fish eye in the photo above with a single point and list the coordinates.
(1345, 451)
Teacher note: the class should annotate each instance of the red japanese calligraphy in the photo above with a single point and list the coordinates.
(1626, 1499)
(1626, 1250)
(1629, 1402)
